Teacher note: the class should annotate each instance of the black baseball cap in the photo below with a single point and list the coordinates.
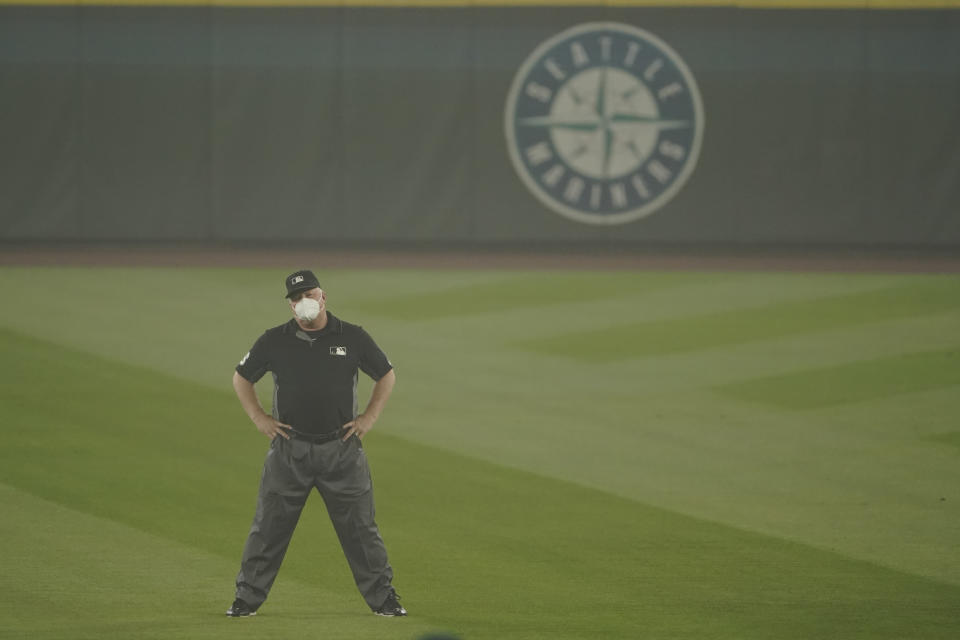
(301, 281)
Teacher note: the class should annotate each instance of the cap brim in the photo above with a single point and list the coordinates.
(299, 290)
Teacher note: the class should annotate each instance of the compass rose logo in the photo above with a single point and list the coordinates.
(604, 123)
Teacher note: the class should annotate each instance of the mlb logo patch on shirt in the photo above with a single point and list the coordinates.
(338, 351)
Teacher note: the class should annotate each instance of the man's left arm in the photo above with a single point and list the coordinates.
(378, 400)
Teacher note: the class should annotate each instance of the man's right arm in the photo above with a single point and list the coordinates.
(247, 395)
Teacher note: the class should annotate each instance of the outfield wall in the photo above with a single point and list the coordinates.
(368, 124)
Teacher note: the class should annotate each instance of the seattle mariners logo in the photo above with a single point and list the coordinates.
(604, 123)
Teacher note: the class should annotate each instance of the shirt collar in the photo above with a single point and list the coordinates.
(334, 325)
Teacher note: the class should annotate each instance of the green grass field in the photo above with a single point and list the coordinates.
(622, 454)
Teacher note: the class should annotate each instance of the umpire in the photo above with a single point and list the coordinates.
(315, 434)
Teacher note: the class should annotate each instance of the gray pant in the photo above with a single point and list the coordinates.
(340, 473)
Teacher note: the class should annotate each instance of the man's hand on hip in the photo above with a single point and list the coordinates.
(358, 426)
(272, 428)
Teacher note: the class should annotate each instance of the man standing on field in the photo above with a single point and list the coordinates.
(315, 434)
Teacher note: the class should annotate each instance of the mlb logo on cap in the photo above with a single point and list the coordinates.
(301, 281)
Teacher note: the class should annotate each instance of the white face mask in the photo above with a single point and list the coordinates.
(307, 310)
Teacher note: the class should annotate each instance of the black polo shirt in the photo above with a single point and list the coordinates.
(315, 372)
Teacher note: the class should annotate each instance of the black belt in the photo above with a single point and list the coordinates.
(317, 438)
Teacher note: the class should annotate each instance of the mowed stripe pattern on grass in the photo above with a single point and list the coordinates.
(647, 410)
(752, 324)
(871, 477)
(654, 391)
(134, 528)
(855, 382)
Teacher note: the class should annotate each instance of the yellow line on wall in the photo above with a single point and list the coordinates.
(746, 4)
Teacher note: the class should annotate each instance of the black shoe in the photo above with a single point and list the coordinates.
(240, 609)
(391, 607)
